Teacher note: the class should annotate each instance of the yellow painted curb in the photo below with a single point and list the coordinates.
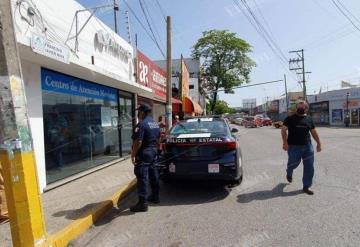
(79, 226)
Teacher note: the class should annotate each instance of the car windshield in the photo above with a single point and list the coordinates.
(249, 118)
(196, 126)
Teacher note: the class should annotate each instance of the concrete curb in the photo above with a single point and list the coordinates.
(79, 226)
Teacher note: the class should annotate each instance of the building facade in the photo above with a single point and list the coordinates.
(80, 88)
(194, 100)
(333, 106)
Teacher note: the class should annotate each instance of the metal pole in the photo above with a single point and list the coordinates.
(16, 149)
(169, 74)
(303, 72)
(286, 94)
(116, 8)
(347, 117)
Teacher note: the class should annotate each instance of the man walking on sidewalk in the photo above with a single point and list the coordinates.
(143, 156)
(298, 144)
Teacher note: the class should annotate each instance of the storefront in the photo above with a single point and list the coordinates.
(81, 102)
(85, 124)
(152, 76)
(338, 110)
(319, 112)
(339, 102)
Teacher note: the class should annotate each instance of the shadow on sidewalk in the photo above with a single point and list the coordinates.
(74, 214)
(277, 191)
(172, 194)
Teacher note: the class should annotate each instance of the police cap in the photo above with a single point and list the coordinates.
(144, 108)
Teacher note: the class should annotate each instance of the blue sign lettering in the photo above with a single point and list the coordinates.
(60, 83)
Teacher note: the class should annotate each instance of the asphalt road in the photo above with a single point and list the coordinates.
(263, 211)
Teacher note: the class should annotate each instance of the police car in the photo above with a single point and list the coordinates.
(202, 148)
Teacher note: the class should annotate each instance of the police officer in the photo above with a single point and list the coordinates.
(143, 156)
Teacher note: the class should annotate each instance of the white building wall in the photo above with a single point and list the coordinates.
(194, 93)
(282, 105)
(56, 17)
(32, 80)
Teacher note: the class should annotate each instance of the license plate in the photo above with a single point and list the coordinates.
(213, 168)
(172, 168)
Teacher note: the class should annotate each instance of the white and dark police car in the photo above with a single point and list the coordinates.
(203, 148)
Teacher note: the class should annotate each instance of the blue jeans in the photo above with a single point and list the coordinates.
(145, 172)
(305, 153)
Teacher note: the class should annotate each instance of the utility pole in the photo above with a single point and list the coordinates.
(286, 94)
(116, 8)
(169, 74)
(127, 20)
(294, 65)
(16, 149)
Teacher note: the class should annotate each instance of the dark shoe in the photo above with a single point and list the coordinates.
(139, 207)
(154, 199)
(308, 191)
(289, 178)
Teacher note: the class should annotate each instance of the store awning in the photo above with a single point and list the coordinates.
(176, 101)
(191, 106)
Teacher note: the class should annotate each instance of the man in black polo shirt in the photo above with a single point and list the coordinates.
(298, 144)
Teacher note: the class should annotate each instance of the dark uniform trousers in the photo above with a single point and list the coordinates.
(148, 132)
(146, 172)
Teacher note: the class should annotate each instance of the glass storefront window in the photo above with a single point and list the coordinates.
(354, 117)
(126, 118)
(80, 124)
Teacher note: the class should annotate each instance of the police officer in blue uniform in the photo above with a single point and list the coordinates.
(143, 156)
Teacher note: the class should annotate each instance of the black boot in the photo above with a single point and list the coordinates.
(154, 199)
(141, 206)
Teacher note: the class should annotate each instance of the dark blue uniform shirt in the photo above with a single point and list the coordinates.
(147, 131)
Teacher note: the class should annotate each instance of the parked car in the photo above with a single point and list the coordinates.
(238, 121)
(249, 122)
(267, 121)
(203, 148)
(259, 121)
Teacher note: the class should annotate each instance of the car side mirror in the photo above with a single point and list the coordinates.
(234, 130)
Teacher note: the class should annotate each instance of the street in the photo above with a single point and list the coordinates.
(263, 211)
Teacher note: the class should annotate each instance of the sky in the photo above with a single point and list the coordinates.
(330, 41)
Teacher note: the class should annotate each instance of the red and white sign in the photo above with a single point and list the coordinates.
(151, 75)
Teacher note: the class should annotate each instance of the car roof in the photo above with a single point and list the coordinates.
(205, 119)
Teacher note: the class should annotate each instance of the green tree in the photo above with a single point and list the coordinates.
(225, 61)
(221, 107)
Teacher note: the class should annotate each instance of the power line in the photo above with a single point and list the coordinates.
(258, 30)
(263, 17)
(263, 29)
(153, 23)
(344, 14)
(149, 25)
(143, 26)
(347, 10)
(161, 9)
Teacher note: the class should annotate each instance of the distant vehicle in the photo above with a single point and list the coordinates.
(278, 124)
(249, 122)
(267, 121)
(238, 121)
(203, 148)
(259, 121)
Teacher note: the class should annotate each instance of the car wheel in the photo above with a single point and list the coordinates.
(236, 182)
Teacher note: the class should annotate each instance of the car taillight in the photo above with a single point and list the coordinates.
(231, 145)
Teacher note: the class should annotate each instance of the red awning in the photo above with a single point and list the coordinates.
(191, 106)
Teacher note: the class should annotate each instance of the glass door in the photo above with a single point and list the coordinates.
(354, 117)
(126, 120)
